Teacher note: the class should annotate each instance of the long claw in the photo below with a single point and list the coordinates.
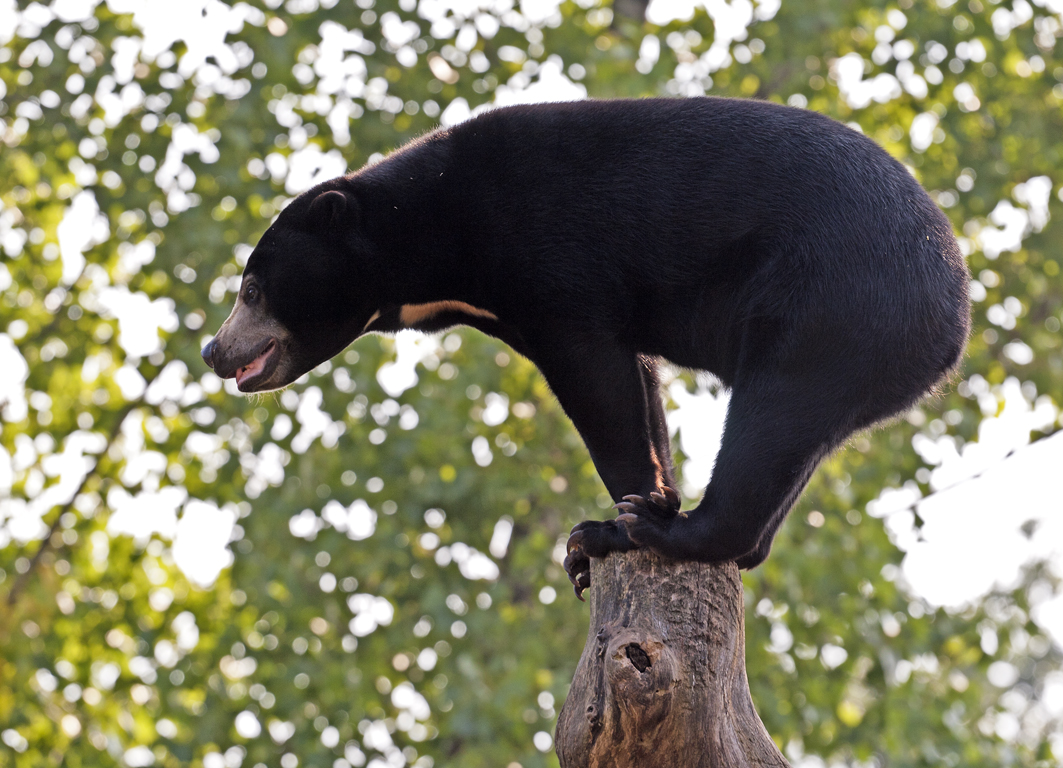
(634, 498)
(570, 576)
(672, 496)
(658, 499)
(580, 582)
(627, 506)
(584, 582)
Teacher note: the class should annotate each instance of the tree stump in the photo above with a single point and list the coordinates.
(662, 680)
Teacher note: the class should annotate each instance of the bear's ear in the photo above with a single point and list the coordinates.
(332, 210)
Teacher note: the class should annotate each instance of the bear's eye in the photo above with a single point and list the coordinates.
(250, 294)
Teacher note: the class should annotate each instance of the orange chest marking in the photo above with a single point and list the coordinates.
(412, 314)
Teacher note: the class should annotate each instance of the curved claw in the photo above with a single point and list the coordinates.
(570, 545)
(627, 518)
(583, 582)
(627, 506)
(634, 498)
(659, 499)
(672, 496)
(568, 562)
(580, 581)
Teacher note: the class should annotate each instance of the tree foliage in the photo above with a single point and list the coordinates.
(395, 520)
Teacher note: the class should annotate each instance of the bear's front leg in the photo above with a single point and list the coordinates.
(614, 401)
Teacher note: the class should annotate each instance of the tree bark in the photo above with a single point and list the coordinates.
(662, 680)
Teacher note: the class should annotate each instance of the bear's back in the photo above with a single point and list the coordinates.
(688, 181)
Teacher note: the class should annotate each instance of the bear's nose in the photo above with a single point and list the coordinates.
(208, 352)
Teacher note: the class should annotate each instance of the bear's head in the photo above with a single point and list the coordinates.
(304, 295)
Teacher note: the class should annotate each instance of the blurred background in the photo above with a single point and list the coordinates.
(364, 569)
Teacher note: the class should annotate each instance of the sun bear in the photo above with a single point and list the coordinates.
(783, 252)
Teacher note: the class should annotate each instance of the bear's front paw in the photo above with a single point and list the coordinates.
(592, 538)
(577, 564)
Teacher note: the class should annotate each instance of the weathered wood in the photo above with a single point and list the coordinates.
(662, 680)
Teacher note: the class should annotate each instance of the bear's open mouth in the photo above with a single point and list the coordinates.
(262, 365)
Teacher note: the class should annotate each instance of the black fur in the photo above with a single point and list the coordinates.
(781, 251)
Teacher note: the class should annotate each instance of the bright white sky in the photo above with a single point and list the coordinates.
(972, 539)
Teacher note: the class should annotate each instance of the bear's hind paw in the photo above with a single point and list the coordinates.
(663, 506)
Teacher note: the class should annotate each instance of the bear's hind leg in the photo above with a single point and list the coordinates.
(777, 432)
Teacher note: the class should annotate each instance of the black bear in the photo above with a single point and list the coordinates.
(783, 252)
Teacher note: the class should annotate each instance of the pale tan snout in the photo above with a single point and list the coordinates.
(250, 346)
